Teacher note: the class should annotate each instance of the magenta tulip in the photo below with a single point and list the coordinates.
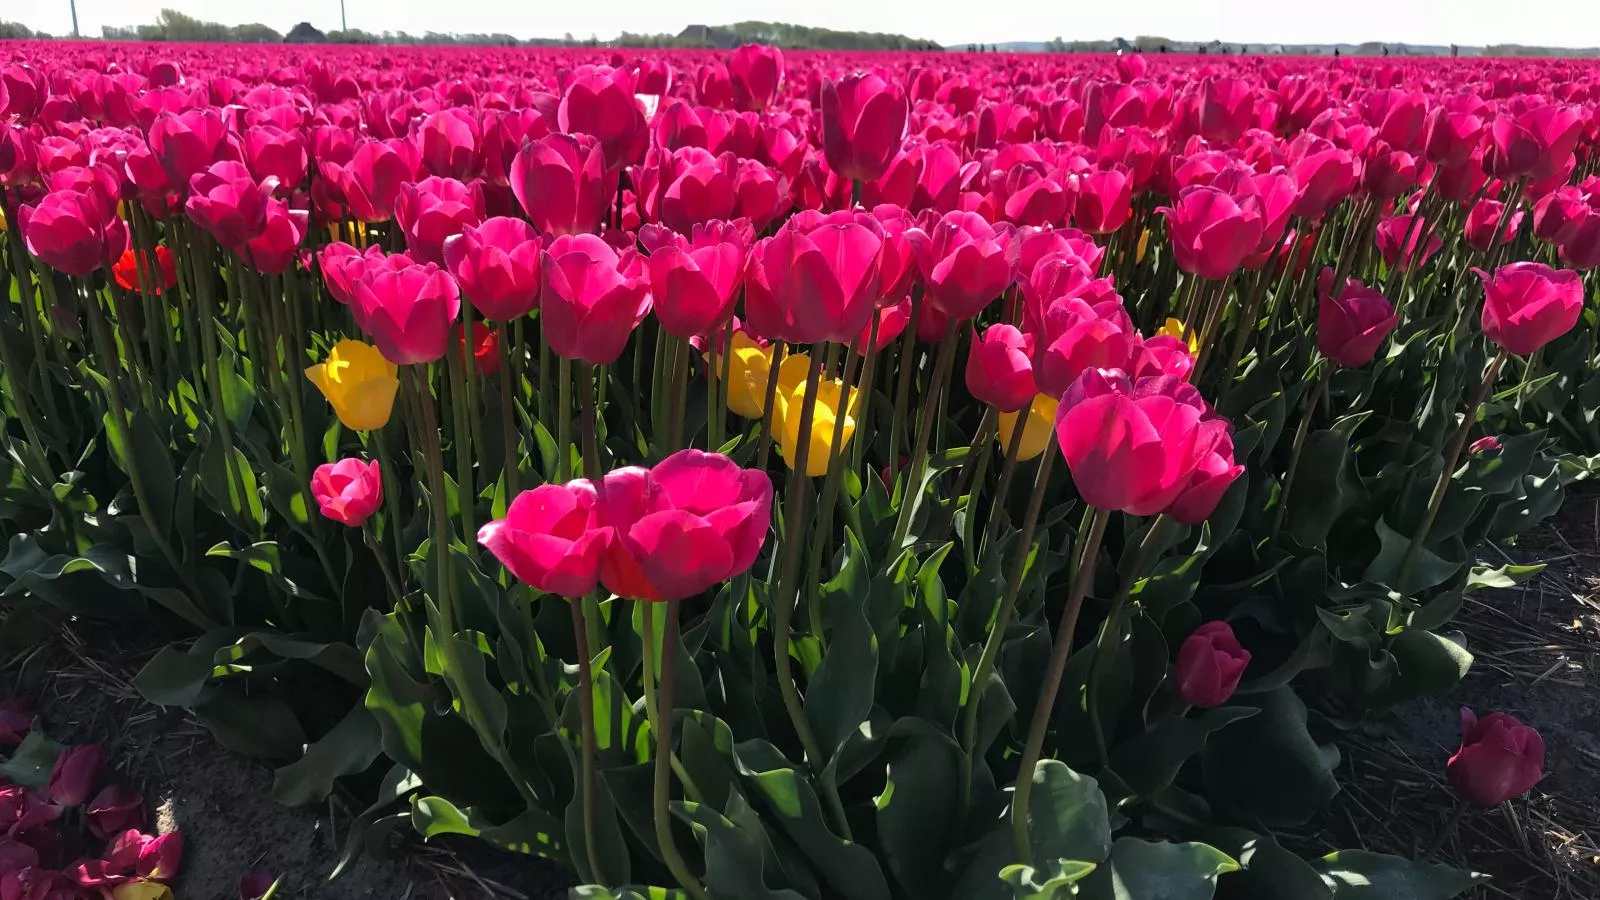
(371, 182)
(1000, 368)
(761, 194)
(188, 142)
(963, 262)
(1558, 215)
(1212, 233)
(1210, 664)
(271, 152)
(273, 251)
(497, 265)
(75, 775)
(756, 72)
(863, 122)
(599, 101)
(1535, 143)
(1406, 241)
(1352, 322)
(407, 310)
(433, 210)
(449, 143)
(348, 491)
(686, 187)
(71, 233)
(1483, 222)
(1499, 759)
(561, 182)
(817, 279)
(228, 202)
(1528, 304)
(1102, 201)
(551, 538)
(694, 279)
(592, 298)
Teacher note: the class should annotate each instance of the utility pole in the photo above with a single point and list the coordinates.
(74, 4)
(343, 25)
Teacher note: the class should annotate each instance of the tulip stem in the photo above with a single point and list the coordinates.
(580, 638)
(466, 487)
(661, 719)
(1008, 470)
(721, 397)
(1052, 682)
(1300, 434)
(767, 414)
(976, 450)
(1111, 630)
(902, 392)
(588, 425)
(391, 490)
(1002, 621)
(1442, 486)
(931, 404)
(563, 419)
(677, 392)
(383, 561)
(868, 371)
(510, 435)
(830, 490)
(1213, 320)
(1249, 319)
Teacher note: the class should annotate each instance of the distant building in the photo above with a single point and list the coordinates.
(304, 33)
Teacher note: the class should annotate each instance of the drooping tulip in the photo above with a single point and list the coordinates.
(694, 279)
(1528, 304)
(560, 180)
(863, 122)
(1352, 322)
(497, 264)
(1000, 367)
(1210, 664)
(348, 491)
(359, 383)
(408, 311)
(592, 298)
(816, 280)
(1499, 759)
(551, 538)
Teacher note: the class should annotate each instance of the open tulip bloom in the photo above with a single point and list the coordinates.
(845, 443)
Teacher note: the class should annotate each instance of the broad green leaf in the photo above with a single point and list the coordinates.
(1360, 875)
(347, 749)
(1141, 870)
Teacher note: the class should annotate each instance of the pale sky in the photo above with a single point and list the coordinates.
(1570, 23)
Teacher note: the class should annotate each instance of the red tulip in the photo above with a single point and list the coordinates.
(963, 262)
(686, 187)
(113, 810)
(1211, 232)
(449, 143)
(592, 298)
(348, 491)
(694, 279)
(71, 233)
(692, 521)
(1000, 368)
(433, 210)
(561, 183)
(1528, 304)
(371, 182)
(163, 275)
(1352, 323)
(756, 72)
(863, 122)
(75, 775)
(1406, 241)
(551, 538)
(485, 349)
(1499, 758)
(273, 251)
(599, 101)
(407, 310)
(816, 280)
(271, 152)
(1135, 447)
(1210, 664)
(497, 265)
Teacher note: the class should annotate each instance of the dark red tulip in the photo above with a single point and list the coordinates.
(1210, 664)
(1352, 322)
(1499, 759)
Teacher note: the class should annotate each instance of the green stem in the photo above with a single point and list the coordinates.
(919, 452)
(661, 726)
(1112, 631)
(1299, 444)
(588, 425)
(1008, 470)
(904, 359)
(580, 635)
(391, 490)
(868, 372)
(768, 415)
(383, 562)
(677, 393)
(830, 489)
(563, 420)
(511, 438)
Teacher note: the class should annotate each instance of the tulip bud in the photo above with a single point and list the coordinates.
(448, 142)
(1559, 214)
(863, 122)
(592, 298)
(408, 311)
(963, 262)
(1500, 758)
(359, 383)
(1486, 444)
(599, 101)
(271, 152)
(75, 775)
(1210, 664)
(1352, 322)
(694, 280)
(1528, 304)
(348, 491)
(1103, 201)
(433, 210)
(226, 201)
(1000, 368)
(1212, 233)
(70, 233)
(371, 182)
(497, 265)
(562, 184)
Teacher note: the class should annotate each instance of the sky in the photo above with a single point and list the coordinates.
(1569, 23)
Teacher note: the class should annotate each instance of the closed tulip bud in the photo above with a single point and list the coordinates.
(1210, 664)
(1352, 322)
(789, 412)
(551, 538)
(562, 184)
(497, 264)
(348, 491)
(186, 143)
(1325, 175)
(592, 298)
(1535, 143)
(408, 311)
(1103, 201)
(686, 187)
(692, 521)
(1211, 232)
(115, 809)
(863, 122)
(449, 143)
(433, 210)
(1559, 214)
(271, 152)
(75, 775)
(1582, 250)
(816, 280)
(1499, 758)
(1000, 368)
(1483, 221)
(694, 279)
(1484, 445)
(1389, 172)
(761, 194)
(599, 101)
(892, 322)
(1137, 446)
(226, 201)
(359, 383)
(70, 233)
(273, 251)
(963, 262)
(134, 268)
(756, 72)
(1035, 432)
(1528, 304)
(1406, 241)
(371, 182)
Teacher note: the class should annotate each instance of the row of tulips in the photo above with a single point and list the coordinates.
(659, 531)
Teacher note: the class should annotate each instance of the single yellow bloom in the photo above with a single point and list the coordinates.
(141, 890)
(787, 416)
(1144, 244)
(1036, 435)
(747, 375)
(359, 383)
(1174, 328)
(2, 221)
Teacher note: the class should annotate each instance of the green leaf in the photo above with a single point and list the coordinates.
(1428, 571)
(918, 811)
(1151, 761)
(840, 695)
(252, 723)
(1360, 875)
(534, 832)
(30, 764)
(151, 458)
(1430, 664)
(347, 749)
(1323, 488)
(173, 678)
(1269, 765)
(735, 862)
(1028, 883)
(1141, 870)
(1506, 576)
(1067, 815)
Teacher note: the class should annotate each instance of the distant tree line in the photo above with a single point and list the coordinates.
(172, 25)
(16, 31)
(777, 34)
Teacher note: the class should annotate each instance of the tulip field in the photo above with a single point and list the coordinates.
(796, 475)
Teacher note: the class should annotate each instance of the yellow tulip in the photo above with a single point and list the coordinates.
(1175, 328)
(2, 221)
(747, 375)
(1144, 244)
(1036, 434)
(359, 383)
(787, 416)
(141, 890)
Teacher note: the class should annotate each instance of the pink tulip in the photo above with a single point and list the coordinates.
(1450, 136)
(1483, 221)
(343, 266)
(963, 262)
(561, 182)
(273, 251)
(497, 265)
(188, 142)
(694, 279)
(756, 72)
(161, 857)
(449, 144)
(1324, 173)
(113, 810)
(686, 187)
(692, 521)
(1558, 215)
(1075, 335)
(1352, 322)
(1528, 304)
(1582, 250)
(551, 538)
(1102, 201)
(1163, 355)
(1535, 143)
(271, 152)
(1000, 368)
(348, 491)
(71, 233)
(1486, 444)
(761, 194)
(817, 279)
(433, 210)
(371, 182)
(1389, 172)
(592, 298)
(407, 310)
(599, 101)
(1499, 759)
(1211, 232)
(863, 122)
(75, 775)
(1406, 241)
(1210, 664)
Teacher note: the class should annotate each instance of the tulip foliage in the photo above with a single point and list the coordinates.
(747, 474)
